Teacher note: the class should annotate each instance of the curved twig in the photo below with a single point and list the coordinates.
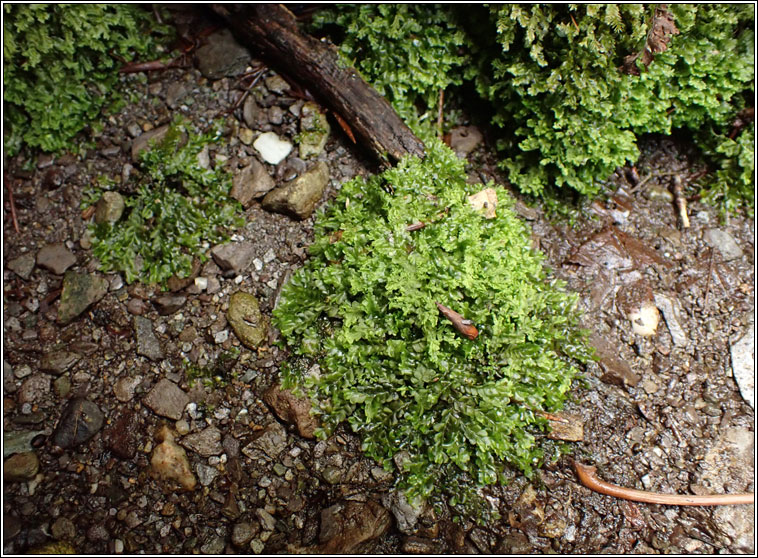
(588, 477)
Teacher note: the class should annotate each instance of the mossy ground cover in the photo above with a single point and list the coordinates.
(390, 364)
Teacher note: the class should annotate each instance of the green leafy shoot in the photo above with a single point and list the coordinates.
(363, 310)
(179, 210)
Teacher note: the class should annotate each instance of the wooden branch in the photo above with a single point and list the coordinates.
(271, 29)
(465, 327)
(587, 475)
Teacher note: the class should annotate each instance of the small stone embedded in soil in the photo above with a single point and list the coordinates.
(314, 130)
(464, 139)
(271, 442)
(18, 441)
(742, 351)
(635, 300)
(243, 532)
(671, 309)
(110, 208)
(23, 265)
(124, 388)
(167, 399)
(250, 183)
(272, 148)
(143, 141)
(147, 343)
(568, 427)
(406, 514)
(206, 474)
(615, 370)
(724, 243)
(245, 317)
(56, 258)
(207, 442)
(298, 198)
(34, 389)
(21, 467)
(221, 56)
(121, 436)
(80, 420)
(80, 291)
(169, 461)
(346, 525)
(292, 409)
(234, 256)
(169, 303)
(58, 362)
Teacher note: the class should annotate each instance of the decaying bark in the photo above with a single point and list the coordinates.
(662, 27)
(271, 29)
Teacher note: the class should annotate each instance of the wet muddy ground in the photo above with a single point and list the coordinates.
(660, 412)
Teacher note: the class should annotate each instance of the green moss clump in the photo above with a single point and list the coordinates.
(60, 64)
(363, 309)
(179, 209)
(552, 77)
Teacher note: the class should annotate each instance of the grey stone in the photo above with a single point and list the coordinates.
(63, 529)
(314, 130)
(169, 303)
(143, 141)
(147, 343)
(344, 526)
(206, 474)
(167, 399)
(18, 441)
(222, 56)
(21, 467)
(299, 197)
(271, 442)
(58, 362)
(62, 386)
(243, 532)
(34, 389)
(743, 363)
(277, 84)
(245, 317)
(175, 93)
(124, 388)
(332, 475)
(276, 115)
(724, 243)
(80, 420)
(252, 114)
(109, 208)
(406, 513)
(207, 442)
(80, 291)
(214, 545)
(267, 520)
(23, 265)
(250, 183)
(671, 310)
(234, 256)
(56, 258)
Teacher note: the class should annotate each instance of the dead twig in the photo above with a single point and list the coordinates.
(708, 281)
(465, 327)
(439, 113)
(588, 477)
(11, 202)
(680, 201)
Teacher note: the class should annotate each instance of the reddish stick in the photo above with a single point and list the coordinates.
(588, 477)
(9, 187)
(465, 327)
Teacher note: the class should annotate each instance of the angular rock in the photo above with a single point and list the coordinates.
(267, 520)
(243, 532)
(299, 197)
(221, 56)
(252, 114)
(143, 141)
(406, 513)
(175, 93)
(167, 399)
(250, 183)
(21, 467)
(58, 362)
(635, 301)
(277, 84)
(169, 461)
(18, 441)
(56, 258)
(724, 243)
(23, 265)
(616, 371)
(121, 436)
(345, 526)
(80, 421)
(271, 442)
(205, 474)
(566, 426)
(109, 208)
(464, 139)
(743, 364)
(314, 130)
(272, 148)
(292, 409)
(124, 388)
(234, 256)
(244, 315)
(34, 389)
(80, 291)
(147, 343)
(169, 303)
(671, 310)
(207, 442)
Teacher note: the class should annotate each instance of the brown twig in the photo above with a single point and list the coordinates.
(588, 477)
(11, 202)
(415, 226)
(439, 112)
(680, 201)
(708, 281)
(465, 327)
